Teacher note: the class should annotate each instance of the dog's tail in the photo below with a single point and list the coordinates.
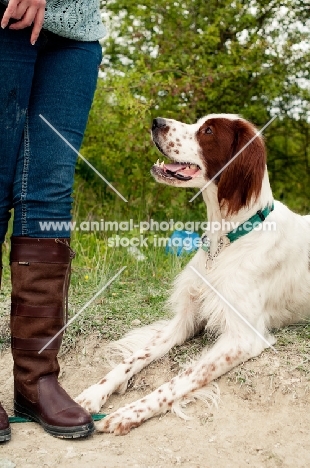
(209, 396)
(135, 339)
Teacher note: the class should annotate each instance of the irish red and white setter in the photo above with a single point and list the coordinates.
(240, 284)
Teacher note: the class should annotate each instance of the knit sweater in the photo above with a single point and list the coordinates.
(74, 19)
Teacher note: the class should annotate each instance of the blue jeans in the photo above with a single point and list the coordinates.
(55, 78)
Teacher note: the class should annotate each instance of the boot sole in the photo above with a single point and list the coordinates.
(5, 435)
(74, 432)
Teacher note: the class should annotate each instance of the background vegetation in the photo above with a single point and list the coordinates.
(184, 60)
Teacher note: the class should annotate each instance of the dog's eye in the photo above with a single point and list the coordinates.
(208, 130)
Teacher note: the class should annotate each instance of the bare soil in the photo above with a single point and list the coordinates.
(262, 421)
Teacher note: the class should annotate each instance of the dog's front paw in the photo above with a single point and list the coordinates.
(120, 422)
(92, 398)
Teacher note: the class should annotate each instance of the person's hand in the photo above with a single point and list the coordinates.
(28, 12)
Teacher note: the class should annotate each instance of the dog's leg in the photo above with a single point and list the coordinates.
(175, 332)
(227, 353)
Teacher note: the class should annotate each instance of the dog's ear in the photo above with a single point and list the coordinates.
(242, 179)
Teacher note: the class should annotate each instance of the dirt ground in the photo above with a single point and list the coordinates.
(262, 421)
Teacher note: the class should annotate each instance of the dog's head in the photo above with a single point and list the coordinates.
(202, 152)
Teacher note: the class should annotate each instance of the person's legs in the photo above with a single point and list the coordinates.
(63, 86)
(17, 59)
(64, 82)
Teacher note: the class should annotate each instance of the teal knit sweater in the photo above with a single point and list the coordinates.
(75, 19)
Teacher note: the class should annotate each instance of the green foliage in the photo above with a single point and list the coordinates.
(184, 60)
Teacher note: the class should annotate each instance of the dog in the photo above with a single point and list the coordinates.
(240, 284)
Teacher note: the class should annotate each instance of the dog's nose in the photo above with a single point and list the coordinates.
(158, 123)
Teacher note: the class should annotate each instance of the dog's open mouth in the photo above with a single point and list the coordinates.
(176, 170)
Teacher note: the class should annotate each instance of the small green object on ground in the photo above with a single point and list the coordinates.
(17, 419)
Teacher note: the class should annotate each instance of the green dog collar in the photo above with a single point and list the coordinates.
(250, 224)
(243, 229)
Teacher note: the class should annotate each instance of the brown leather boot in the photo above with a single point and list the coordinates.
(5, 430)
(40, 271)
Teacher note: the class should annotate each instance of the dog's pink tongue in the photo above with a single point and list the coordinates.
(174, 167)
(189, 171)
(183, 169)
